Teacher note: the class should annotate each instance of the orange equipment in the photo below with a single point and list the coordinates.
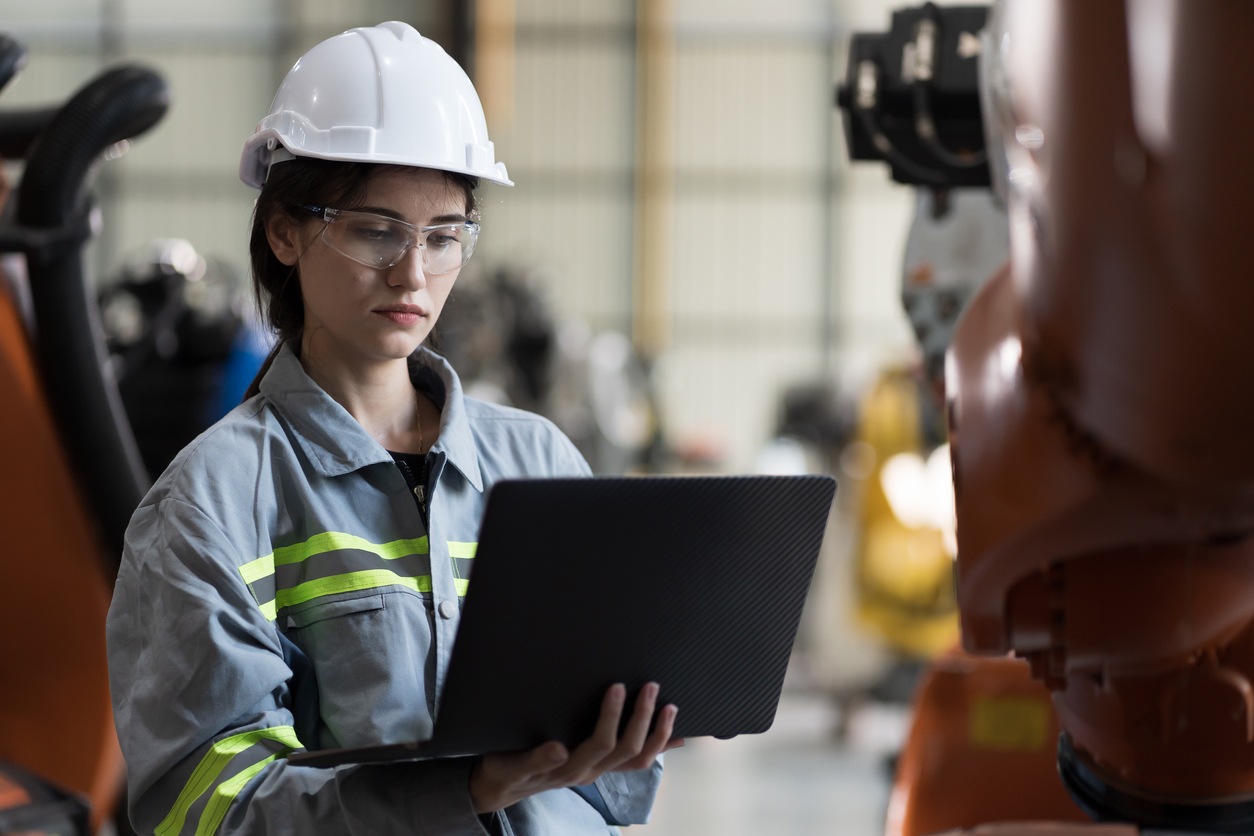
(1103, 463)
(982, 747)
(70, 473)
(1104, 466)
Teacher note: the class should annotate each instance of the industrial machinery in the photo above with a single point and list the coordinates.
(1103, 463)
(71, 472)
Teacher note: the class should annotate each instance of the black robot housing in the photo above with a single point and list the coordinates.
(911, 97)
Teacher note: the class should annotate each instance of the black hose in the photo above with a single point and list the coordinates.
(53, 194)
(12, 58)
(18, 129)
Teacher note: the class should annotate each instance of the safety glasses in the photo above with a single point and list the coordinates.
(380, 242)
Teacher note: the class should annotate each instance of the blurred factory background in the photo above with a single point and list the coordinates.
(682, 180)
(689, 276)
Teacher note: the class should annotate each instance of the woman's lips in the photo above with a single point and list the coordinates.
(402, 314)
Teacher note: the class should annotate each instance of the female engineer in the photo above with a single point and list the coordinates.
(294, 579)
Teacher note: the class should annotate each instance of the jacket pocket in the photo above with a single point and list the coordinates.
(312, 613)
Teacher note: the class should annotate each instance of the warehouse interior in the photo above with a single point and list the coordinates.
(693, 275)
(647, 141)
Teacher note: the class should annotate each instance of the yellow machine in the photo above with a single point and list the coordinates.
(904, 568)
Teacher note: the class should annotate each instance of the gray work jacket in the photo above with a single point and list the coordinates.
(280, 591)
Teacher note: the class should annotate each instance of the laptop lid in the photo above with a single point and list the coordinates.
(694, 582)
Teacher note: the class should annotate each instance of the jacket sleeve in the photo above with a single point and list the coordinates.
(203, 704)
(627, 797)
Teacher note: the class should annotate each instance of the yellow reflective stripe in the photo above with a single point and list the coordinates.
(463, 550)
(462, 585)
(211, 766)
(330, 541)
(257, 569)
(220, 801)
(349, 582)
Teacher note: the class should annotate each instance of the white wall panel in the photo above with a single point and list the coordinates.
(750, 259)
(573, 108)
(201, 17)
(216, 99)
(726, 16)
(19, 14)
(577, 242)
(50, 78)
(726, 394)
(760, 107)
(339, 15)
(575, 12)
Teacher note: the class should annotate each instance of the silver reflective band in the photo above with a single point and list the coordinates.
(380, 242)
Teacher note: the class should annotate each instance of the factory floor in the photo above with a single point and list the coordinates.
(799, 778)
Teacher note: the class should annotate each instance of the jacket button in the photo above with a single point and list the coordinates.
(447, 609)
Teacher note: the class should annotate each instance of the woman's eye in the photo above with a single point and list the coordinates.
(373, 232)
(441, 240)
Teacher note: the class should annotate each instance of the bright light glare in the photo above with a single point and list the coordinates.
(921, 494)
(1001, 369)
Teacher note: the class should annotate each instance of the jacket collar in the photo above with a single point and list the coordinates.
(336, 444)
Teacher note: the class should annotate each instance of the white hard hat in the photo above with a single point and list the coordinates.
(380, 94)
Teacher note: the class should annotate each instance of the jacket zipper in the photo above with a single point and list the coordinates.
(418, 489)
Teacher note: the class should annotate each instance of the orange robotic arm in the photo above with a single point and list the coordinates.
(1103, 466)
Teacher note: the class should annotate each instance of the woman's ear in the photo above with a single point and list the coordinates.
(283, 233)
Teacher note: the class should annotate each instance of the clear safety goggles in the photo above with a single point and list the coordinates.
(380, 242)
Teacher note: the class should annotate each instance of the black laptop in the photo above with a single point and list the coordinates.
(694, 582)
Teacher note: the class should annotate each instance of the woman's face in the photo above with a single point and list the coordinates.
(357, 315)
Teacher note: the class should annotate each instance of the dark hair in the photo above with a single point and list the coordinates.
(310, 182)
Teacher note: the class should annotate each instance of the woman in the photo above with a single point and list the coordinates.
(294, 578)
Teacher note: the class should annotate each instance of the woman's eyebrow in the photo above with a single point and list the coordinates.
(451, 218)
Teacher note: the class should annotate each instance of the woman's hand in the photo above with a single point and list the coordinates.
(499, 780)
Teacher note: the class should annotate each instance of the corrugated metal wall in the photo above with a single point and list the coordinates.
(778, 262)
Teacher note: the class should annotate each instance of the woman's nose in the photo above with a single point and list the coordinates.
(410, 271)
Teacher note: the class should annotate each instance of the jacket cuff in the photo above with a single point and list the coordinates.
(441, 798)
(629, 795)
(426, 798)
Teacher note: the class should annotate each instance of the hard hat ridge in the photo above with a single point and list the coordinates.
(380, 94)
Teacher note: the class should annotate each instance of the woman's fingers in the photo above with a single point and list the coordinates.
(499, 780)
(503, 779)
(635, 745)
(637, 731)
(587, 755)
(656, 743)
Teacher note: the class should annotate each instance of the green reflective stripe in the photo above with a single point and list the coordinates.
(257, 569)
(330, 541)
(211, 765)
(220, 801)
(463, 550)
(462, 585)
(325, 543)
(350, 582)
